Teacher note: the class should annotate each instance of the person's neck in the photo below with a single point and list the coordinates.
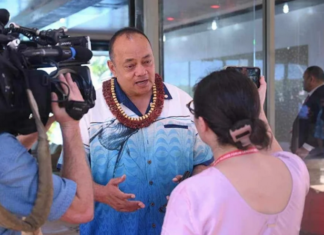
(141, 102)
(316, 86)
(218, 150)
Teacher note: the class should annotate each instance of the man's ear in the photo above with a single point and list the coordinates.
(313, 79)
(112, 67)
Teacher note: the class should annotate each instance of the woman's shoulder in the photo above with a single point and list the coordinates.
(294, 160)
(296, 166)
(202, 184)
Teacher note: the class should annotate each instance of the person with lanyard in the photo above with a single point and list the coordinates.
(139, 139)
(252, 187)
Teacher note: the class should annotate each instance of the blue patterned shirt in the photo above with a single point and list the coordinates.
(149, 157)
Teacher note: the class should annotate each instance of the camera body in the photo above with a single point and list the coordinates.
(21, 66)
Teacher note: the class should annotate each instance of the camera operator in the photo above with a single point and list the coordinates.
(72, 195)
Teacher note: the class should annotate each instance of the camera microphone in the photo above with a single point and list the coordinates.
(60, 53)
(4, 17)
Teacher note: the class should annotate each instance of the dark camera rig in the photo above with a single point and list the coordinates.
(20, 68)
(25, 98)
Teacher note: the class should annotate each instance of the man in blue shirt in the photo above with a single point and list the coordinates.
(72, 195)
(138, 138)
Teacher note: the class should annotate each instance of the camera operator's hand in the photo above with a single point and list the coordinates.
(60, 114)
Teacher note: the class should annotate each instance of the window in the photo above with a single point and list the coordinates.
(201, 38)
(299, 43)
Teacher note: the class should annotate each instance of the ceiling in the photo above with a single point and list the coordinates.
(101, 18)
(98, 18)
(188, 11)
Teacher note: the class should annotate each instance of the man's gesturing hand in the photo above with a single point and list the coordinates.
(119, 200)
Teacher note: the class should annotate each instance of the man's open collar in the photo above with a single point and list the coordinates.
(123, 99)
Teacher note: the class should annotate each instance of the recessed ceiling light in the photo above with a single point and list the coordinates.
(215, 6)
(285, 8)
(214, 25)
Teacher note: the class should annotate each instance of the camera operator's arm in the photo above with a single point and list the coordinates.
(72, 196)
(29, 140)
(75, 166)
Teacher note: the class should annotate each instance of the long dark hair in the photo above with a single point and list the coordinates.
(228, 100)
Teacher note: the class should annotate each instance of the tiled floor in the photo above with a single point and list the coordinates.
(316, 171)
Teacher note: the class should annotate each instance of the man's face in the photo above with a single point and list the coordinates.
(133, 64)
(307, 82)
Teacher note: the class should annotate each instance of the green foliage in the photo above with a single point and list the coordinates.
(98, 67)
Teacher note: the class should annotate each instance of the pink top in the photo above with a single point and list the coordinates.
(208, 204)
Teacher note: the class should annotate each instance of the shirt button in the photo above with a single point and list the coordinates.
(151, 182)
(153, 225)
(149, 161)
(152, 204)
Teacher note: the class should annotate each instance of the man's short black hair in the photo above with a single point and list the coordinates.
(315, 72)
(128, 31)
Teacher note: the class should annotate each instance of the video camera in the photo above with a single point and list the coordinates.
(20, 64)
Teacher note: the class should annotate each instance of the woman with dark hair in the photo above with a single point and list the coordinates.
(253, 187)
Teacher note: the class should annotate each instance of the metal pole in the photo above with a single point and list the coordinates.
(152, 30)
(131, 13)
(161, 43)
(269, 58)
(139, 15)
